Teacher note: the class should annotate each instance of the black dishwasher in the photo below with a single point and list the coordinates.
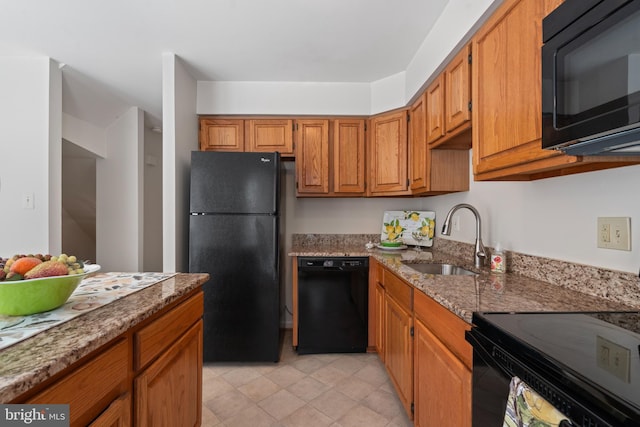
(332, 304)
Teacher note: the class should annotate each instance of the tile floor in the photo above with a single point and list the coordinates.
(314, 390)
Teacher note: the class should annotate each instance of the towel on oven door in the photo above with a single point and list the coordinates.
(526, 408)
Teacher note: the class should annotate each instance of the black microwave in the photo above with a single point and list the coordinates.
(591, 78)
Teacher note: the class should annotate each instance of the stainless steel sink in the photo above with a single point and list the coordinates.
(438, 268)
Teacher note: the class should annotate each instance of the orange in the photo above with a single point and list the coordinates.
(24, 264)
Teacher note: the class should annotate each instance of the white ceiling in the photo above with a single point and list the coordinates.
(112, 50)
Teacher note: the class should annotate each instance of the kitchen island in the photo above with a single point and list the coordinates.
(134, 358)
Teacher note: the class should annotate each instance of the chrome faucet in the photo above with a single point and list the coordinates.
(480, 254)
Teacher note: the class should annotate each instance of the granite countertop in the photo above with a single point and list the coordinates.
(486, 291)
(36, 359)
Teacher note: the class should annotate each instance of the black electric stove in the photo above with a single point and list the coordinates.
(586, 364)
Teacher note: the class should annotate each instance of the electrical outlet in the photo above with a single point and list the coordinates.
(613, 358)
(614, 233)
(456, 223)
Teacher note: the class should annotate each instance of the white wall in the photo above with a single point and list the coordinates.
(179, 138)
(119, 200)
(30, 140)
(283, 98)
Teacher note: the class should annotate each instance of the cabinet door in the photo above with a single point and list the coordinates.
(118, 414)
(348, 156)
(418, 153)
(380, 321)
(507, 93)
(91, 387)
(442, 383)
(457, 77)
(398, 347)
(435, 94)
(312, 162)
(221, 134)
(169, 392)
(269, 135)
(388, 167)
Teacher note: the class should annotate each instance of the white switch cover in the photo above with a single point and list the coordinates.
(27, 201)
(614, 233)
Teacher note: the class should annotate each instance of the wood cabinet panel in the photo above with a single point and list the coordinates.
(152, 339)
(418, 153)
(388, 155)
(401, 291)
(221, 134)
(270, 135)
(118, 414)
(442, 383)
(91, 387)
(457, 77)
(398, 347)
(312, 163)
(169, 392)
(348, 156)
(435, 109)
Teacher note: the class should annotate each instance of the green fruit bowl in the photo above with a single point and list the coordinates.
(391, 243)
(24, 297)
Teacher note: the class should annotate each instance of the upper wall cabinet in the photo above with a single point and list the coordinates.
(330, 163)
(268, 135)
(254, 135)
(221, 134)
(449, 104)
(312, 163)
(506, 88)
(433, 171)
(388, 175)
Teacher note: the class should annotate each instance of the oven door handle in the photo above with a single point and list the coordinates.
(485, 353)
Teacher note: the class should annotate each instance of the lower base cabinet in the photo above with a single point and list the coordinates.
(442, 390)
(151, 375)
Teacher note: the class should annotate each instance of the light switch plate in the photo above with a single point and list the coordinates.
(614, 233)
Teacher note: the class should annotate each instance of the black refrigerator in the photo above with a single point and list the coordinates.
(234, 227)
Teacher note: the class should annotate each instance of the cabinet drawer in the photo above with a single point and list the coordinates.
(445, 325)
(91, 387)
(151, 340)
(398, 289)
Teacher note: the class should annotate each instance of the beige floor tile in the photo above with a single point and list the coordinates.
(333, 404)
(281, 404)
(313, 390)
(260, 388)
(361, 416)
(307, 416)
(308, 388)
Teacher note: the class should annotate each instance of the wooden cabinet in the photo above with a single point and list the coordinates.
(246, 134)
(376, 308)
(169, 392)
(269, 135)
(442, 366)
(221, 134)
(387, 151)
(448, 100)
(312, 162)
(433, 171)
(151, 375)
(398, 339)
(348, 157)
(92, 386)
(506, 87)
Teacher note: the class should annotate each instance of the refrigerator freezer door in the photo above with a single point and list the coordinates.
(242, 297)
(234, 182)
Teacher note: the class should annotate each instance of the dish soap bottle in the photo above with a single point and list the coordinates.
(498, 260)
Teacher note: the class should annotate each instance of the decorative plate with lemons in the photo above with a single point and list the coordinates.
(415, 228)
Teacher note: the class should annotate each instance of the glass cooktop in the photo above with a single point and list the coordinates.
(599, 349)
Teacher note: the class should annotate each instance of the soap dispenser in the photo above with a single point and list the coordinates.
(498, 260)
